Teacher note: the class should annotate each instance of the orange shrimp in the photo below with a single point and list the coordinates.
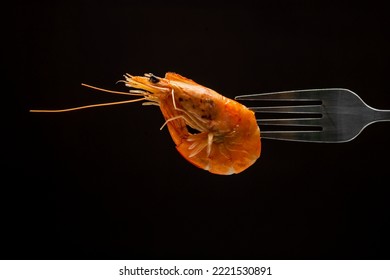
(228, 138)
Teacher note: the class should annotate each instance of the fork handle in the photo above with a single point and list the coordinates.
(382, 115)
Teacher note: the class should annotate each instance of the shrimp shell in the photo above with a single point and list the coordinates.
(228, 138)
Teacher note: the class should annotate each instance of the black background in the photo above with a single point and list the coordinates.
(106, 183)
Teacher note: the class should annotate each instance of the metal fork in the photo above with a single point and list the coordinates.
(335, 115)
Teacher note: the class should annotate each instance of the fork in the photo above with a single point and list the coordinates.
(334, 115)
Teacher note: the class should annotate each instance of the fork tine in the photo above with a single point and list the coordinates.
(299, 136)
(291, 122)
(289, 109)
(293, 95)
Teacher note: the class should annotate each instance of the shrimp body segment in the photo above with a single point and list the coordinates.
(228, 137)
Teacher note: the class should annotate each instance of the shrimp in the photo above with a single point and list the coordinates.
(227, 137)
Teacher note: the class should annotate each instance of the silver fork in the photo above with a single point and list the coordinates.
(338, 115)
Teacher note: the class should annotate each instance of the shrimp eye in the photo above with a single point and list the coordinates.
(153, 79)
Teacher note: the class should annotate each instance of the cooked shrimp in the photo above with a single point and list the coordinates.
(228, 137)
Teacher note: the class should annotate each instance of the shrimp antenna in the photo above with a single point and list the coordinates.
(139, 93)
